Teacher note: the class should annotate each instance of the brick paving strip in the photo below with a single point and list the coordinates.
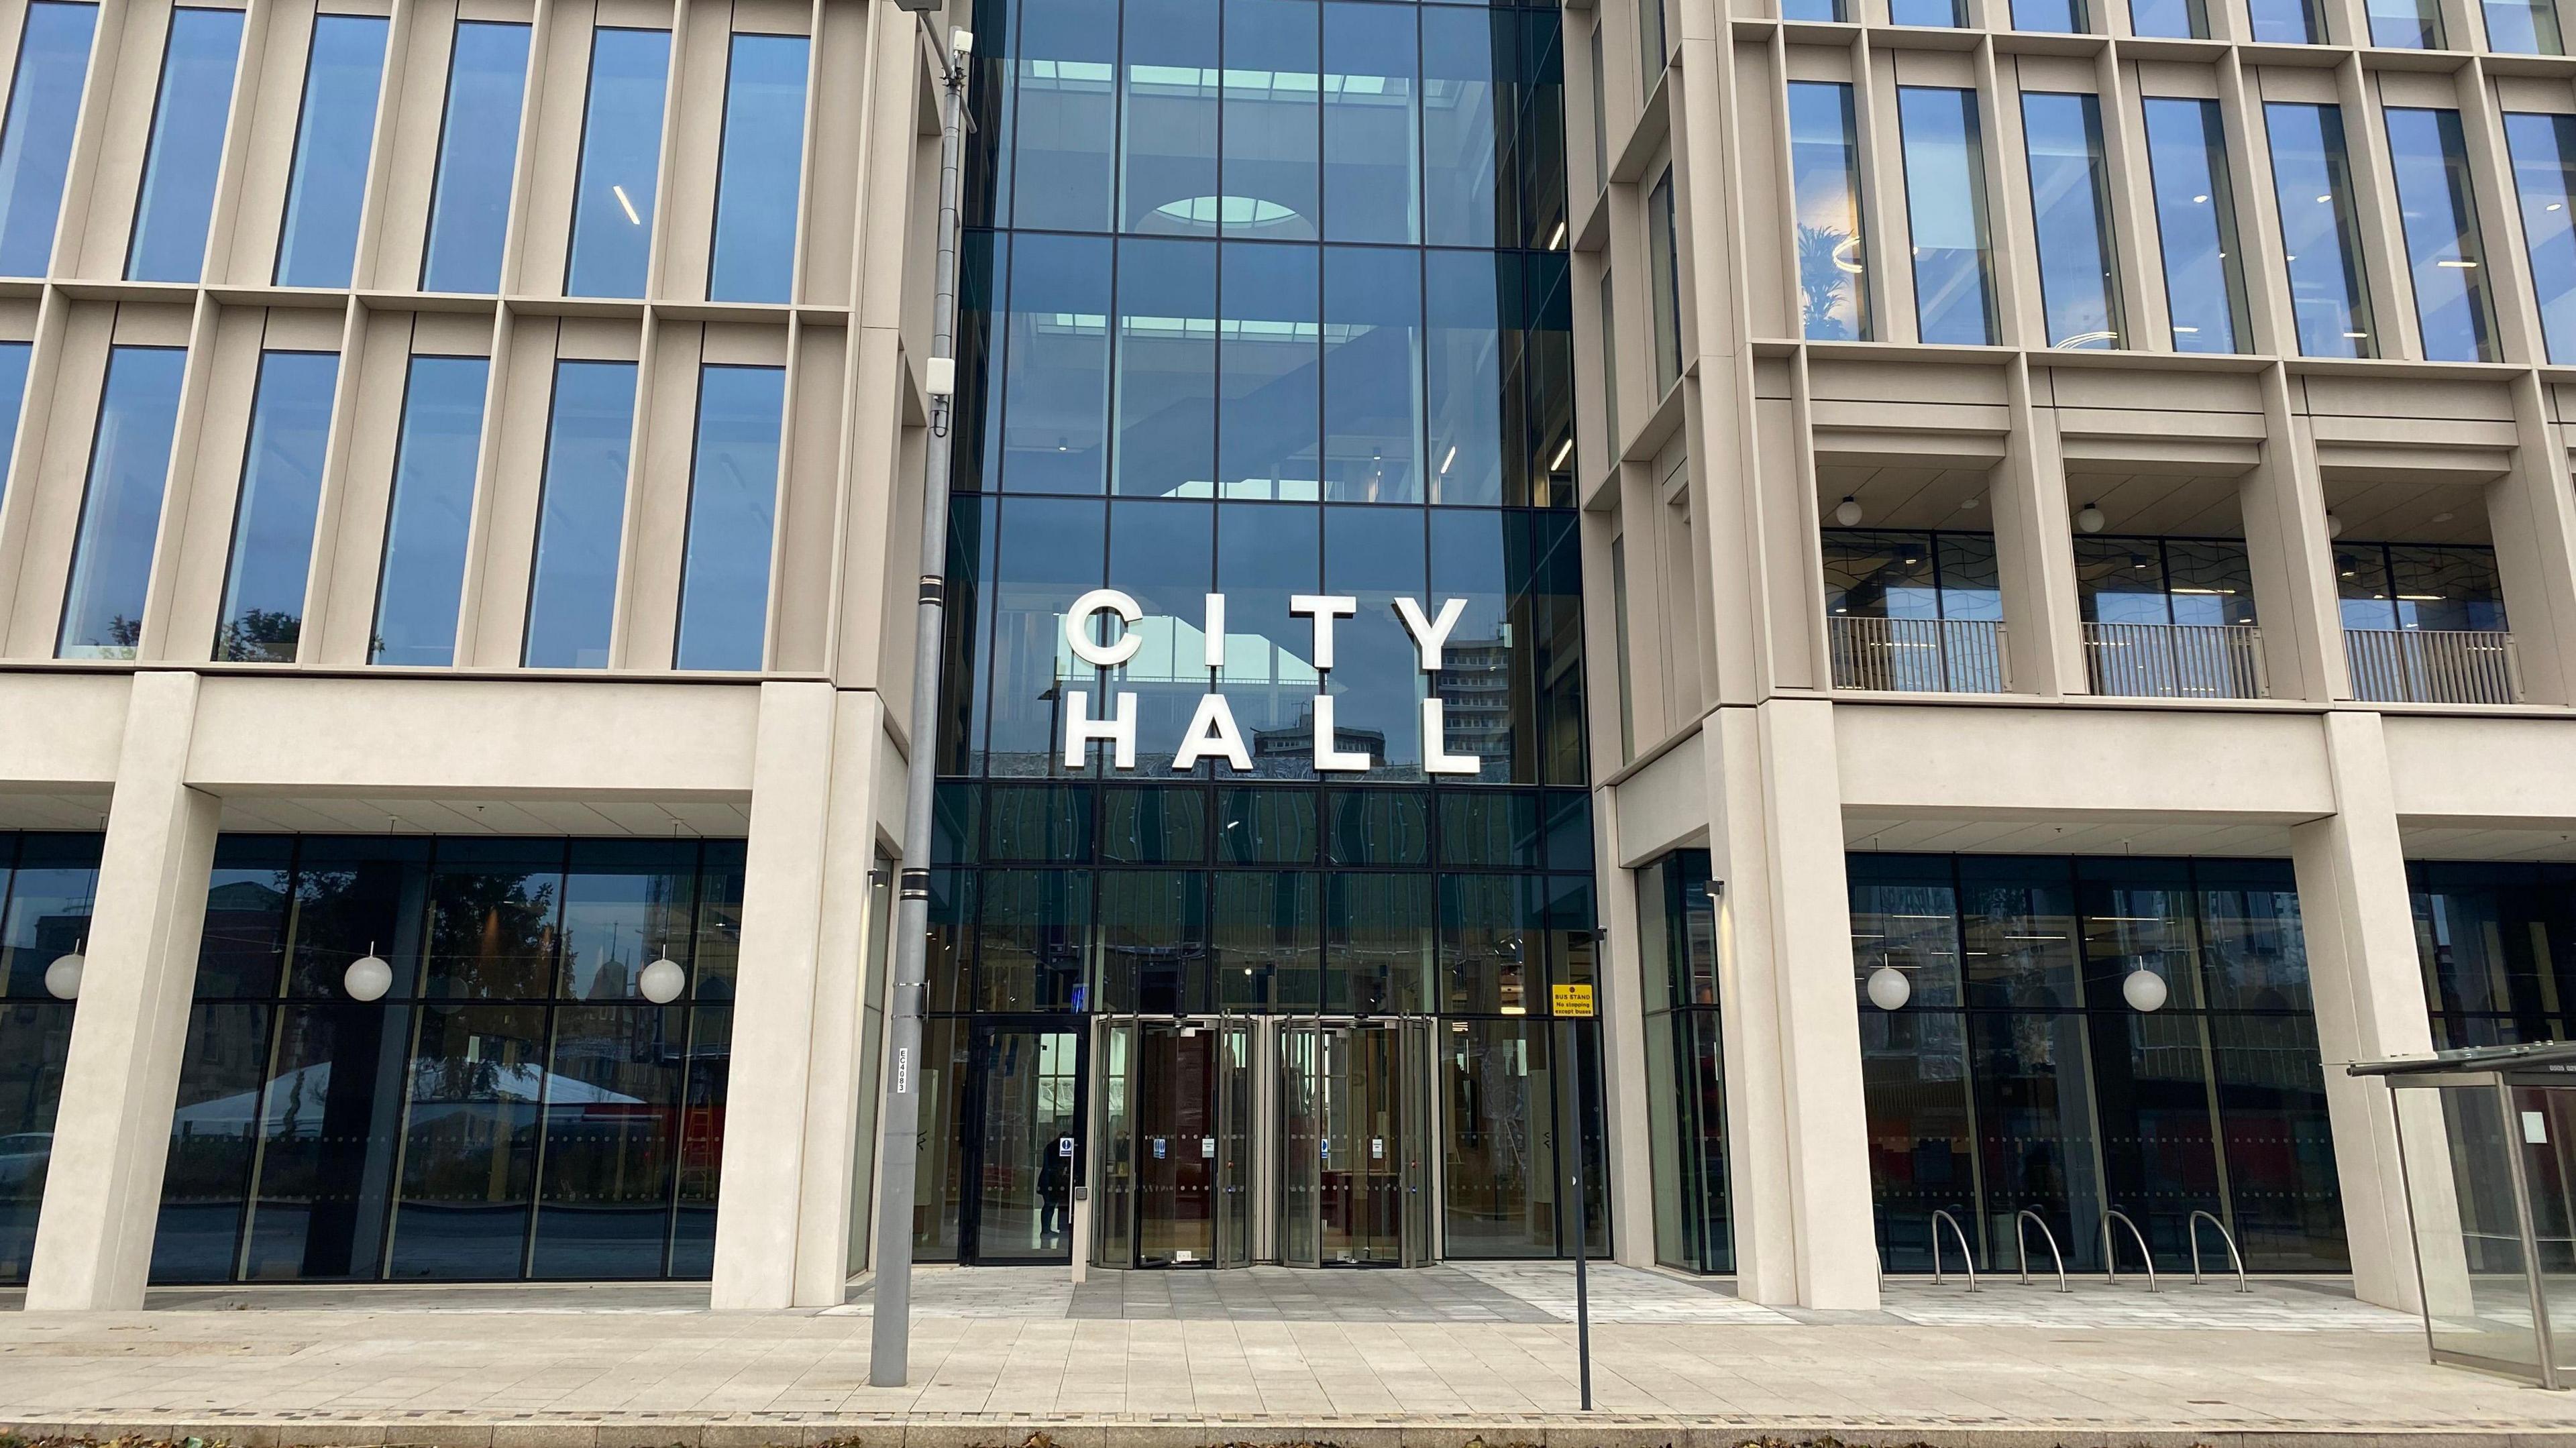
(1476, 1355)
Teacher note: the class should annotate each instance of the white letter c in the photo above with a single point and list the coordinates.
(1077, 628)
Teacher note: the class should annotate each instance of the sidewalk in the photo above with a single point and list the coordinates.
(1174, 1360)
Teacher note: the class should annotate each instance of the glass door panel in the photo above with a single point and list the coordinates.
(1023, 1190)
(1114, 1128)
(1176, 1145)
(1301, 1146)
(1234, 1145)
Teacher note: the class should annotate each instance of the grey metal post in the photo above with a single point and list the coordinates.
(891, 1336)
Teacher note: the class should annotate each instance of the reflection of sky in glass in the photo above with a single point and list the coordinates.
(2544, 178)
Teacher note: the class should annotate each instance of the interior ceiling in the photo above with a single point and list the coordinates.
(2421, 509)
(2173, 505)
(1894, 497)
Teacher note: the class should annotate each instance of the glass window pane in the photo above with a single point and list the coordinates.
(2406, 24)
(2070, 197)
(2195, 223)
(2543, 148)
(205, 1177)
(1267, 552)
(333, 140)
(2120, 580)
(1055, 368)
(2313, 187)
(1824, 166)
(1271, 88)
(621, 159)
(188, 119)
(613, 1083)
(1376, 681)
(2431, 168)
(1467, 114)
(2174, 19)
(478, 154)
(1268, 346)
(2048, 15)
(2523, 27)
(762, 169)
(2286, 22)
(470, 1144)
(1871, 574)
(1166, 384)
(1067, 114)
(1050, 551)
(1372, 375)
(430, 514)
(13, 399)
(2446, 588)
(1970, 584)
(1654, 50)
(1469, 296)
(1480, 555)
(129, 468)
(281, 492)
(1945, 206)
(2361, 584)
(733, 508)
(1664, 271)
(321, 1200)
(36, 139)
(1500, 1087)
(1924, 12)
(1372, 125)
(1162, 554)
(2211, 581)
(1168, 122)
(572, 594)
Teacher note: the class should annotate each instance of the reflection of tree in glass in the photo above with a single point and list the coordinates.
(493, 933)
(1822, 282)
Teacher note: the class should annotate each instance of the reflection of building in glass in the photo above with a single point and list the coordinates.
(1478, 688)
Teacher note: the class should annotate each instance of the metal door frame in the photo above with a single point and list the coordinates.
(1229, 1170)
(1413, 1050)
(971, 1154)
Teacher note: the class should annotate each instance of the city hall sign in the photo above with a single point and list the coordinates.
(1212, 732)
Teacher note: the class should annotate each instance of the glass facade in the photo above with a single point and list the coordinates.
(129, 470)
(1685, 1063)
(189, 118)
(1824, 161)
(2498, 946)
(48, 883)
(621, 163)
(36, 137)
(762, 170)
(1945, 211)
(2196, 223)
(511, 1106)
(2419, 586)
(2015, 1074)
(733, 506)
(430, 517)
(2313, 186)
(478, 152)
(1261, 311)
(2543, 150)
(581, 524)
(2070, 195)
(2439, 213)
(2187, 582)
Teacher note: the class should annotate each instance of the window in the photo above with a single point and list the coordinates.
(2179, 581)
(1619, 633)
(1945, 205)
(431, 511)
(1065, 87)
(1371, 105)
(1824, 167)
(2406, 24)
(2071, 200)
(733, 509)
(2313, 188)
(2170, 19)
(1943, 13)
(2544, 180)
(1653, 48)
(2195, 224)
(13, 400)
(478, 152)
(36, 139)
(2062, 16)
(1600, 113)
(1812, 10)
(281, 493)
(1611, 436)
(1685, 1077)
(762, 170)
(178, 196)
(2286, 22)
(2419, 586)
(1662, 265)
(2523, 27)
(129, 468)
(581, 519)
(621, 160)
(1372, 356)
(333, 140)
(2431, 169)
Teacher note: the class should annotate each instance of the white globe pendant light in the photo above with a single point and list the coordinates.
(1889, 989)
(2091, 519)
(662, 981)
(63, 977)
(1847, 512)
(368, 977)
(2144, 990)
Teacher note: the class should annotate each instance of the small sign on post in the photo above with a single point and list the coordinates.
(1571, 1000)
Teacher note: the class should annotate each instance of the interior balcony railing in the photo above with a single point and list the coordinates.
(1919, 655)
(2175, 660)
(2433, 666)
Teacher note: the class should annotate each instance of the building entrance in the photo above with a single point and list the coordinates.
(1227, 1141)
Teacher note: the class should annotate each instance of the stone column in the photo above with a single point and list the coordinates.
(761, 1202)
(121, 1079)
(1796, 1124)
(2369, 991)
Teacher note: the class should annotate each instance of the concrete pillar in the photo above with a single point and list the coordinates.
(1626, 1117)
(786, 989)
(1796, 1124)
(833, 1149)
(2369, 991)
(121, 1078)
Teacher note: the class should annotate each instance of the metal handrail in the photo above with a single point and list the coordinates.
(2192, 1229)
(2111, 1249)
(1967, 1257)
(2175, 660)
(2434, 666)
(1919, 655)
(2021, 1247)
